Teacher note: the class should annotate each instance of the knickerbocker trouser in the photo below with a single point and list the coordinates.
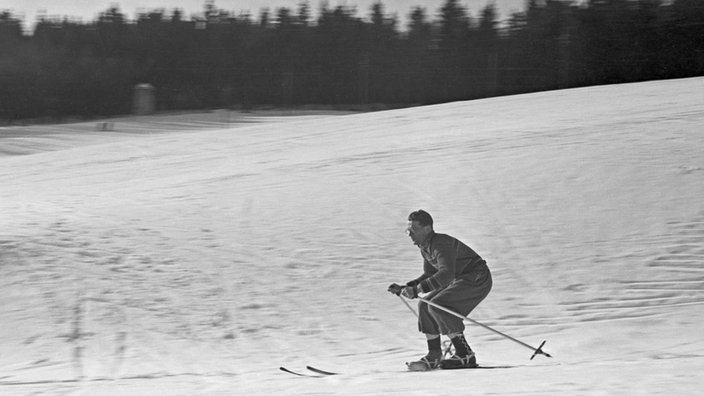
(461, 296)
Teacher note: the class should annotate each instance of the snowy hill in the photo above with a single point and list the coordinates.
(199, 260)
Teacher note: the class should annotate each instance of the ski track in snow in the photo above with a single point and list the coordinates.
(189, 255)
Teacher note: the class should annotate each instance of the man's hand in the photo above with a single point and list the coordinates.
(410, 292)
(395, 289)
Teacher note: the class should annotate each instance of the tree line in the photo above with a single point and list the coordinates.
(290, 58)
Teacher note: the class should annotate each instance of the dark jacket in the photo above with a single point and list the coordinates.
(445, 259)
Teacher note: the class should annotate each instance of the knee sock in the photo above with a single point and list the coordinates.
(434, 345)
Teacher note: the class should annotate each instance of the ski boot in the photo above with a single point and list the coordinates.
(428, 362)
(464, 356)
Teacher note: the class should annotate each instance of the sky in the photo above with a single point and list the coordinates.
(87, 10)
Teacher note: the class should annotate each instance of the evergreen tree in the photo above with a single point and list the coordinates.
(217, 58)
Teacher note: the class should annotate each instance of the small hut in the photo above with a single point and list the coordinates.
(144, 101)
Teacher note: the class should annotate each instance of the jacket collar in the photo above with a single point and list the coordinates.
(426, 243)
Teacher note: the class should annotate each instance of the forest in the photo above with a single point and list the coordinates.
(291, 58)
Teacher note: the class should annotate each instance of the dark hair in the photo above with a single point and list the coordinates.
(422, 217)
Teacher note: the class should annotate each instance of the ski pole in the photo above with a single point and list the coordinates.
(409, 306)
(536, 351)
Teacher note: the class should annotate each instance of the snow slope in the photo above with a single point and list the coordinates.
(198, 261)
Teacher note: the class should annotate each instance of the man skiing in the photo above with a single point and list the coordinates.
(455, 277)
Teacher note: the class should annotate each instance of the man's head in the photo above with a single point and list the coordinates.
(420, 225)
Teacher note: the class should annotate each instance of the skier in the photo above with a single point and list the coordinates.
(455, 277)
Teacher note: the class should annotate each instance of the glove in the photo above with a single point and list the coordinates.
(410, 292)
(395, 289)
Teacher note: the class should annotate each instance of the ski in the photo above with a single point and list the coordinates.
(479, 368)
(417, 366)
(319, 371)
(284, 369)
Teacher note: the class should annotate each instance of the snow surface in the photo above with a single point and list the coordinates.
(197, 260)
